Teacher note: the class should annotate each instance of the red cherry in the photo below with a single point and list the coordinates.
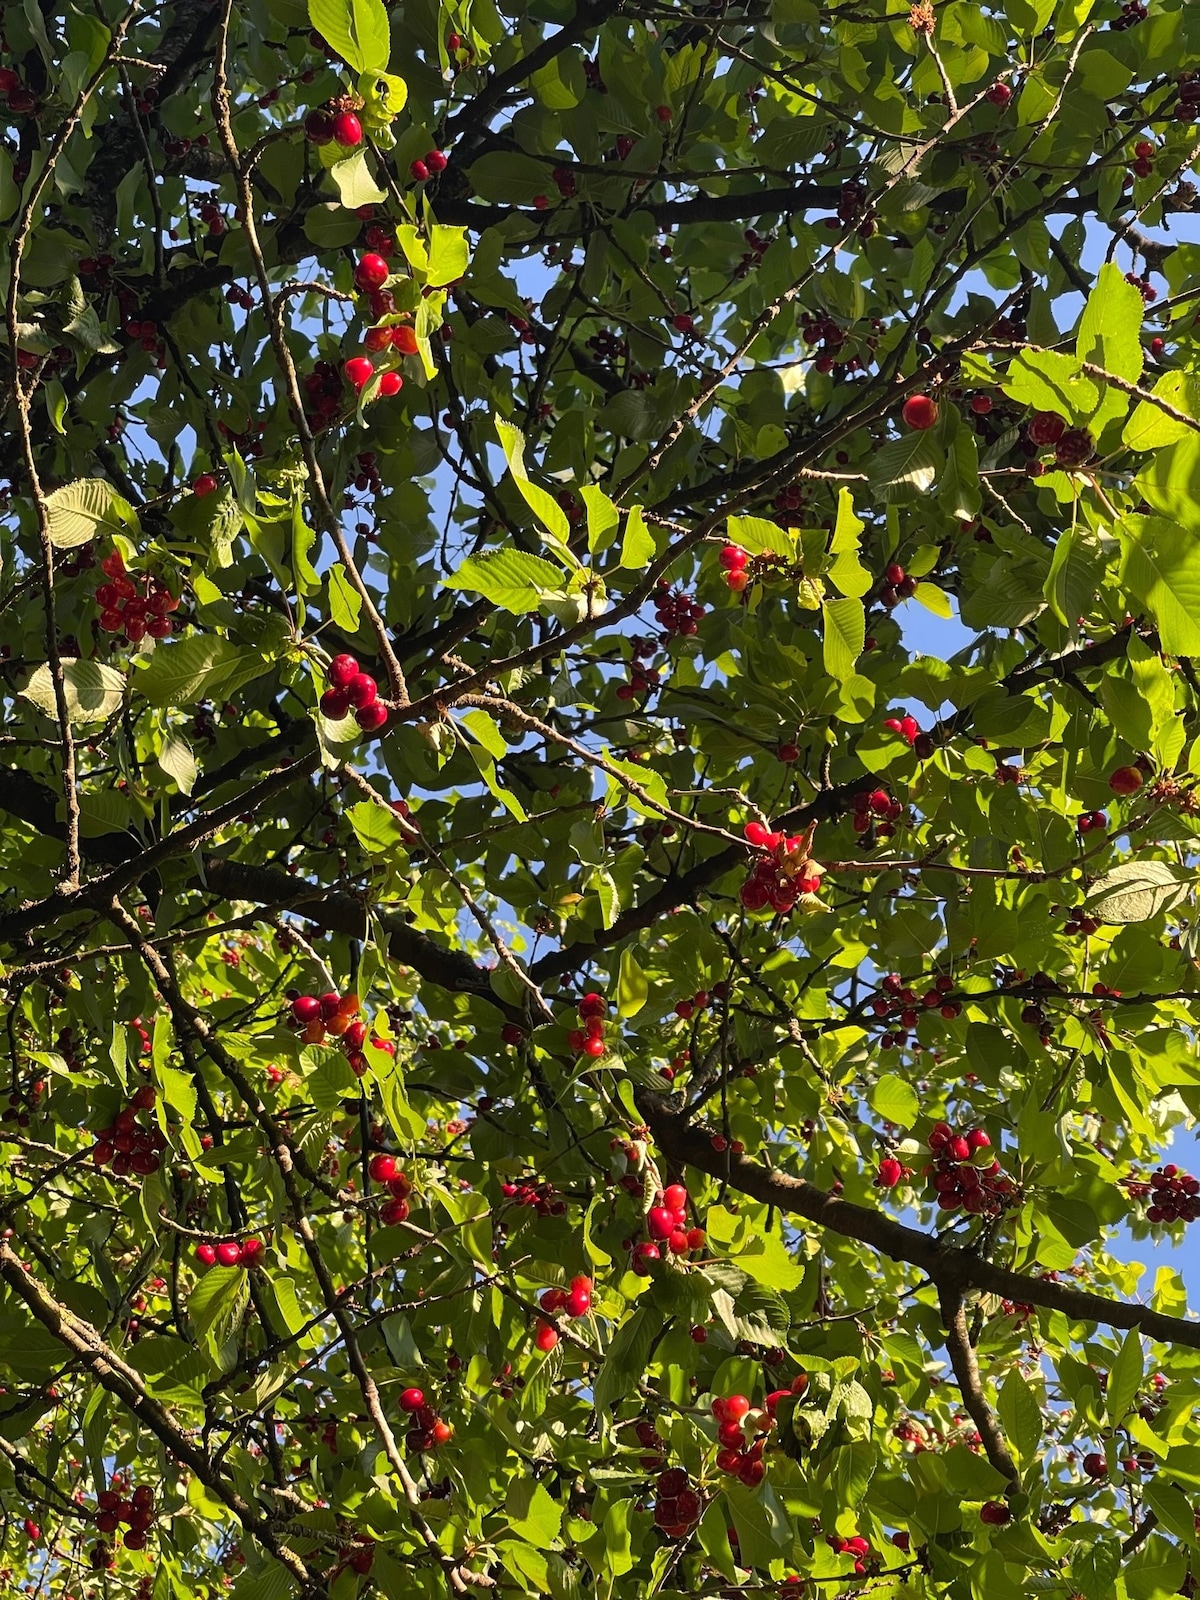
(412, 1400)
(358, 371)
(229, 1253)
(371, 718)
(206, 1255)
(390, 383)
(578, 1302)
(334, 704)
(306, 1008)
(371, 272)
(1125, 781)
(382, 1168)
(361, 690)
(994, 1513)
(204, 484)
(404, 340)
(890, 1172)
(675, 1197)
(660, 1222)
(1095, 1465)
(437, 161)
(999, 95)
(252, 1253)
(545, 1338)
(919, 412)
(330, 1004)
(342, 669)
(347, 129)
(420, 172)
(442, 1432)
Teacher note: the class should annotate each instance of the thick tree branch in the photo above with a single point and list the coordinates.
(953, 1268)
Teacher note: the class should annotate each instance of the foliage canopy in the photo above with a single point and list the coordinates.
(507, 940)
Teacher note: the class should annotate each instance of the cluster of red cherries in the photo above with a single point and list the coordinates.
(906, 727)
(667, 1225)
(229, 1253)
(124, 611)
(642, 680)
(426, 1429)
(876, 810)
(125, 1145)
(433, 162)
(740, 1455)
(589, 1040)
(782, 872)
(677, 1506)
(958, 1183)
(335, 123)
(135, 1512)
(734, 561)
(574, 1301)
(385, 1169)
(898, 585)
(1174, 1195)
(855, 1546)
(334, 1015)
(539, 1196)
(675, 612)
(896, 998)
(352, 689)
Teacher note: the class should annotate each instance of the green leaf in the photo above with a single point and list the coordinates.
(485, 731)
(540, 501)
(1050, 381)
(846, 572)
(626, 1357)
(1160, 564)
(92, 691)
(1149, 428)
(764, 1528)
(179, 763)
(216, 1304)
(1020, 1415)
(895, 1101)
(514, 580)
(356, 187)
(758, 536)
(844, 635)
(907, 465)
(1124, 1378)
(201, 667)
(637, 547)
(1109, 330)
(632, 988)
(377, 828)
(532, 1513)
(1134, 891)
(85, 510)
(448, 255)
(357, 29)
(345, 602)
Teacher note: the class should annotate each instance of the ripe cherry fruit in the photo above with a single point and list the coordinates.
(371, 272)
(919, 412)
(1125, 781)
(347, 130)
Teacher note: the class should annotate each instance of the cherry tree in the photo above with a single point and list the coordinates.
(554, 1045)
